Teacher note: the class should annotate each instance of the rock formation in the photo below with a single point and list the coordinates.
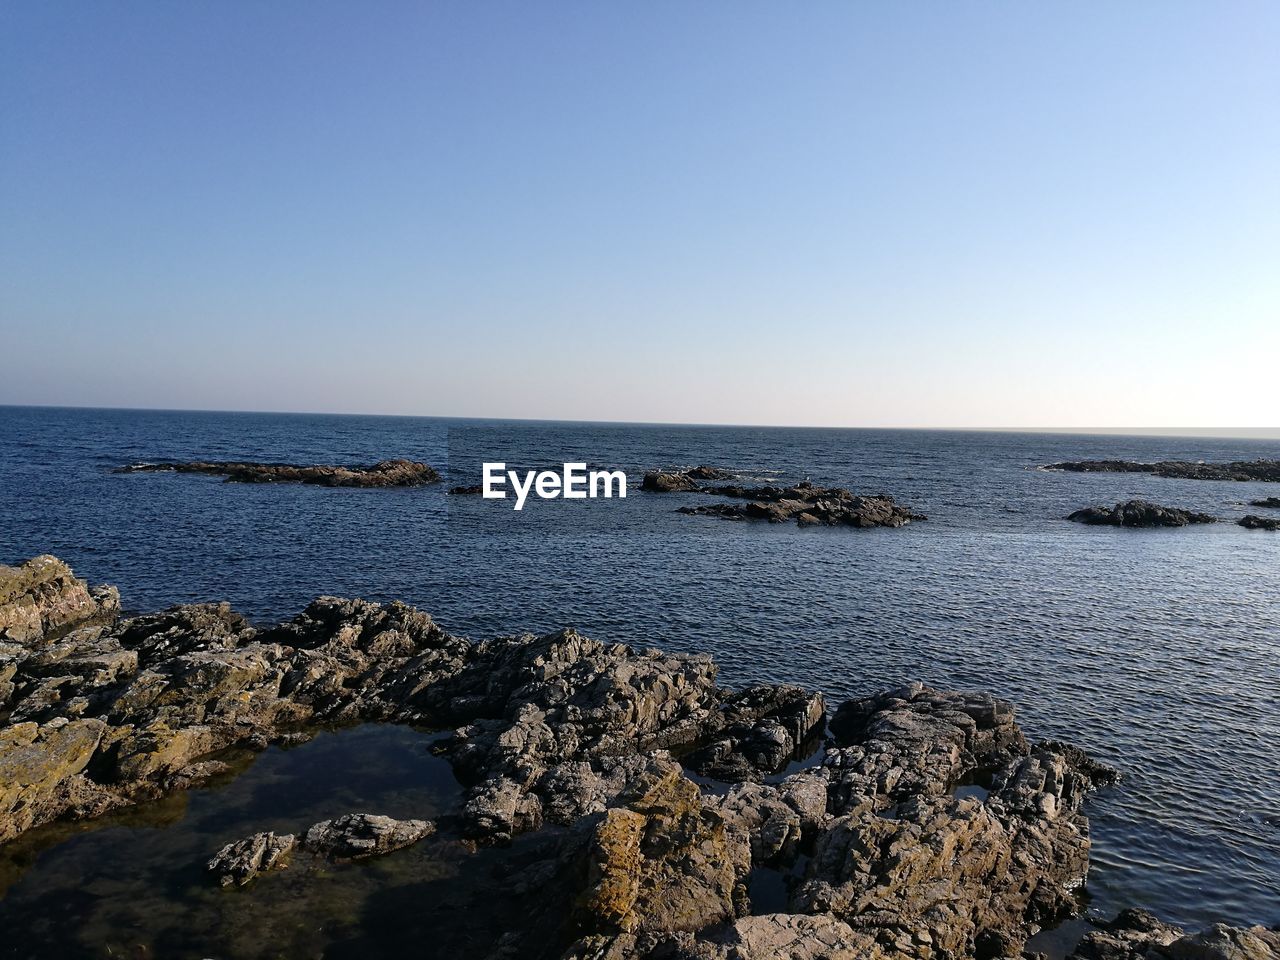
(589, 757)
(42, 598)
(1254, 522)
(1139, 513)
(681, 481)
(1267, 470)
(355, 836)
(808, 505)
(385, 473)
(241, 861)
(1137, 935)
(1271, 503)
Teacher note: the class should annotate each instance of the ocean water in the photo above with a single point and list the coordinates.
(1158, 651)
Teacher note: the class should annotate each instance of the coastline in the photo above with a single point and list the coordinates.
(658, 795)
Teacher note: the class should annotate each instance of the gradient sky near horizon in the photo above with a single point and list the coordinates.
(859, 214)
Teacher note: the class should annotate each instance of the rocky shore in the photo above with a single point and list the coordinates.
(1241, 470)
(1139, 513)
(385, 473)
(653, 796)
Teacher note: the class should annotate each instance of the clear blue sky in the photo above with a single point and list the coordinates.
(854, 213)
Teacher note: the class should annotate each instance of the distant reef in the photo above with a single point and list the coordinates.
(1272, 503)
(681, 481)
(384, 473)
(805, 503)
(1264, 470)
(1139, 513)
(1255, 522)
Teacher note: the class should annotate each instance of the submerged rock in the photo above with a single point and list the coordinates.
(241, 861)
(1242, 470)
(1272, 503)
(1139, 513)
(385, 473)
(1255, 522)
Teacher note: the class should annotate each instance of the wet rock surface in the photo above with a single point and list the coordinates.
(1254, 522)
(1271, 503)
(585, 758)
(1139, 513)
(1241, 470)
(385, 473)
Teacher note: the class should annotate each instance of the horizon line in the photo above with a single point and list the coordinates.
(1226, 433)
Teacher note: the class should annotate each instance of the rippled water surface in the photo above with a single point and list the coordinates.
(1157, 650)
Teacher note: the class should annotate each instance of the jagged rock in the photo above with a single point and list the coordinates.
(766, 824)
(355, 836)
(385, 473)
(680, 481)
(40, 771)
(1137, 935)
(241, 861)
(660, 862)
(1139, 513)
(764, 727)
(192, 628)
(781, 935)
(1242, 470)
(567, 698)
(1255, 522)
(42, 598)
(916, 741)
(585, 744)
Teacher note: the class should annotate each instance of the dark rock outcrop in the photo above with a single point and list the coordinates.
(681, 481)
(1254, 522)
(1139, 513)
(1137, 935)
(1271, 503)
(472, 491)
(1242, 470)
(385, 473)
(808, 505)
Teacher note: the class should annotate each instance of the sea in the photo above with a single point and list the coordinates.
(1158, 651)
